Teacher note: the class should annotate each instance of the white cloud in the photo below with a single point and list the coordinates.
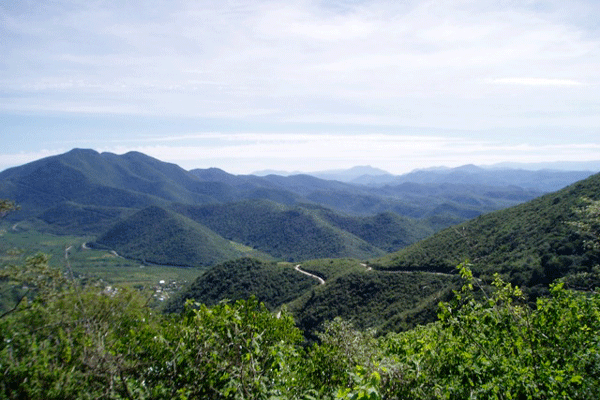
(456, 65)
(16, 159)
(536, 82)
(246, 152)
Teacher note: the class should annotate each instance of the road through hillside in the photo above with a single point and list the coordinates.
(321, 280)
(369, 268)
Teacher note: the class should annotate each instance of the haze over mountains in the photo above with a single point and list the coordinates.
(543, 177)
(150, 210)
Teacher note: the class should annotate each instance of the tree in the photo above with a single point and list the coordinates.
(7, 206)
(589, 222)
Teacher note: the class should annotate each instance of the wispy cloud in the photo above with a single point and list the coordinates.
(536, 82)
(245, 152)
(398, 153)
(261, 53)
(379, 65)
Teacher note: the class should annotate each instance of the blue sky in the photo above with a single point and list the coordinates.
(302, 85)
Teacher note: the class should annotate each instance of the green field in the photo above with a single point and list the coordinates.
(21, 242)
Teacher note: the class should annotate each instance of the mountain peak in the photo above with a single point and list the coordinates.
(212, 174)
(349, 175)
(469, 168)
(79, 153)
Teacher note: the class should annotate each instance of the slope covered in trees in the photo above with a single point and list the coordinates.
(529, 244)
(270, 283)
(372, 299)
(387, 301)
(65, 340)
(159, 236)
(387, 231)
(291, 233)
(86, 183)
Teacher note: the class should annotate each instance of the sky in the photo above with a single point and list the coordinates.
(302, 85)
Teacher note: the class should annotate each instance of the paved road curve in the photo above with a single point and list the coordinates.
(297, 268)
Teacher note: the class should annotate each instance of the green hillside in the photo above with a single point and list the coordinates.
(158, 236)
(530, 244)
(387, 231)
(86, 177)
(385, 301)
(270, 283)
(290, 233)
(78, 341)
(388, 301)
(77, 219)
(83, 192)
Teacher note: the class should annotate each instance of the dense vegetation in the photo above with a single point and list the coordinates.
(292, 234)
(387, 231)
(75, 342)
(387, 301)
(402, 290)
(159, 236)
(272, 284)
(63, 337)
(530, 245)
(373, 299)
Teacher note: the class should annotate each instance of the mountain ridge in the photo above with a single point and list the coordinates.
(85, 192)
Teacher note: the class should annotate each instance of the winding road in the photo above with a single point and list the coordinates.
(369, 268)
(321, 280)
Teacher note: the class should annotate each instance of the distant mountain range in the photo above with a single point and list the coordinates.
(539, 177)
(157, 212)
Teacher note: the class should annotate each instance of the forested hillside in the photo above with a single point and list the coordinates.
(386, 302)
(79, 342)
(301, 232)
(65, 338)
(271, 284)
(158, 236)
(530, 244)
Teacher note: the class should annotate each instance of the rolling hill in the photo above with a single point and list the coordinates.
(270, 283)
(290, 233)
(158, 236)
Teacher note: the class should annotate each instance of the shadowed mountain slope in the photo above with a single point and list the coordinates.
(88, 177)
(159, 236)
(291, 233)
(531, 244)
(83, 192)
